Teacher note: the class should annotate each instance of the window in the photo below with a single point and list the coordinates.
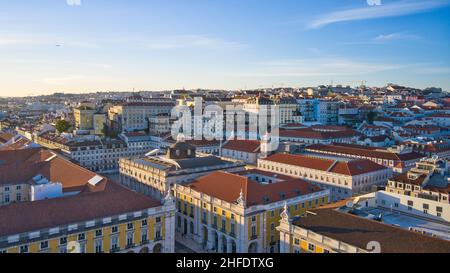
(81, 237)
(144, 236)
(224, 224)
(158, 233)
(311, 247)
(130, 226)
(158, 219)
(253, 218)
(438, 211)
(114, 229)
(114, 243)
(24, 249)
(297, 241)
(253, 231)
(44, 244)
(144, 222)
(129, 239)
(62, 240)
(98, 233)
(272, 226)
(98, 246)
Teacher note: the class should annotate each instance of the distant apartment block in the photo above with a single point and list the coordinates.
(342, 177)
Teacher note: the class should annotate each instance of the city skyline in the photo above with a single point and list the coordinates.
(88, 46)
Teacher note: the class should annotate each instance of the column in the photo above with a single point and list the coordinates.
(220, 244)
(210, 243)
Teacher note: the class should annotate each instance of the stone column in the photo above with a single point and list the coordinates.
(220, 244)
(210, 243)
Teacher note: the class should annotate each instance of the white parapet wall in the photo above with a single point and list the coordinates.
(420, 207)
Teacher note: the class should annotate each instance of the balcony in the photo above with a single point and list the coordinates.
(158, 238)
(232, 234)
(428, 197)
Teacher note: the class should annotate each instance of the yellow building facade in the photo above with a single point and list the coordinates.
(220, 225)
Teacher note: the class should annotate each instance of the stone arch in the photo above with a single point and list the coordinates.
(233, 246)
(253, 247)
(157, 248)
(224, 244)
(144, 250)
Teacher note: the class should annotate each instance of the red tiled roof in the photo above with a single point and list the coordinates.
(358, 232)
(357, 150)
(351, 167)
(248, 146)
(314, 134)
(20, 166)
(227, 187)
(111, 200)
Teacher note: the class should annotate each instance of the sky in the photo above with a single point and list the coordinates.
(49, 46)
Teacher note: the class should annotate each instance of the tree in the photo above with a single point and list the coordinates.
(62, 125)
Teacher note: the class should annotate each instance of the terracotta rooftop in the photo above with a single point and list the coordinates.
(227, 187)
(104, 200)
(248, 146)
(20, 166)
(351, 167)
(311, 133)
(357, 150)
(358, 232)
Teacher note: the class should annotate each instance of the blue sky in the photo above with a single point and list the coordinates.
(231, 44)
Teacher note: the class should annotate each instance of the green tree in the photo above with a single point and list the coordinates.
(62, 125)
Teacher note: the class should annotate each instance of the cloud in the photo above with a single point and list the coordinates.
(25, 39)
(191, 41)
(319, 67)
(73, 2)
(399, 8)
(63, 79)
(395, 36)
